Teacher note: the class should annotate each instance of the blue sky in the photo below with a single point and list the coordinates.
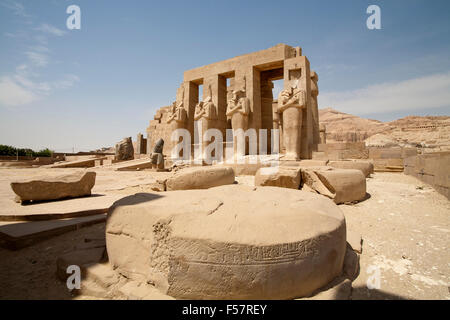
(89, 88)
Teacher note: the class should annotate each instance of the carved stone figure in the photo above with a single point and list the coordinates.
(238, 109)
(156, 156)
(291, 101)
(177, 113)
(314, 107)
(206, 108)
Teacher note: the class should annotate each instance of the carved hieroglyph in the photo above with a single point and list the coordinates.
(291, 101)
(266, 243)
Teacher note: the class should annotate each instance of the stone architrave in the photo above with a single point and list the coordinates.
(291, 101)
(238, 109)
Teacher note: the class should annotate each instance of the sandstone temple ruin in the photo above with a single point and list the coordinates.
(237, 94)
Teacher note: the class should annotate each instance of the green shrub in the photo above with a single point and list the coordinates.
(11, 151)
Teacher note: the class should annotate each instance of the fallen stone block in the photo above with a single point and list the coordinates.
(200, 178)
(284, 177)
(341, 185)
(355, 240)
(366, 167)
(67, 186)
(228, 242)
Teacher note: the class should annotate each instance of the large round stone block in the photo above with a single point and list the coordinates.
(228, 242)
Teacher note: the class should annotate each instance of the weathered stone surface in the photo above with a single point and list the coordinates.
(229, 242)
(366, 167)
(341, 290)
(200, 178)
(67, 186)
(124, 150)
(351, 264)
(285, 177)
(341, 185)
(355, 240)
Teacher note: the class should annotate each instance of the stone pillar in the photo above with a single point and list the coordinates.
(266, 109)
(191, 99)
(323, 134)
(297, 118)
(141, 144)
(148, 143)
(250, 80)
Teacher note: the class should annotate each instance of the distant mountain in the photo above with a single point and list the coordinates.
(430, 132)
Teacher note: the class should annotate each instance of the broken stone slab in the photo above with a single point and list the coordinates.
(341, 185)
(67, 186)
(366, 167)
(200, 178)
(100, 281)
(228, 242)
(351, 264)
(124, 150)
(284, 177)
(355, 240)
(17, 235)
(341, 289)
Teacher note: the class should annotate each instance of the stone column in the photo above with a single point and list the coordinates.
(323, 134)
(250, 80)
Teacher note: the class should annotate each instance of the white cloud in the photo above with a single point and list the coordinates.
(68, 81)
(17, 8)
(22, 87)
(12, 94)
(432, 91)
(46, 28)
(37, 58)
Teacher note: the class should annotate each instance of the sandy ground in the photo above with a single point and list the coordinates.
(405, 226)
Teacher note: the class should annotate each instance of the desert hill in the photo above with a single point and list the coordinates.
(432, 133)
